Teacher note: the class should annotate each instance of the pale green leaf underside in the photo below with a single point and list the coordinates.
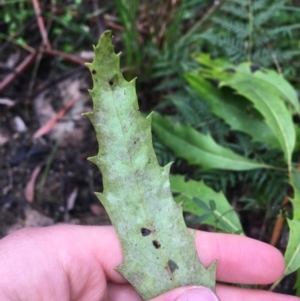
(197, 148)
(159, 252)
(224, 218)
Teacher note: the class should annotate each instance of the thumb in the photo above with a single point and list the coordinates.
(192, 293)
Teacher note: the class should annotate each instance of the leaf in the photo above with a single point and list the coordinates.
(264, 95)
(292, 254)
(297, 144)
(191, 192)
(198, 148)
(232, 109)
(159, 251)
(281, 87)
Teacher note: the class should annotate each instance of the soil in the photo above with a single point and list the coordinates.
(64, 188)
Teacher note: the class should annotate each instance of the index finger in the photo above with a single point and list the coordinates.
(240, 259)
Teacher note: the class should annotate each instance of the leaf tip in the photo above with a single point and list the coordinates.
(93, 159)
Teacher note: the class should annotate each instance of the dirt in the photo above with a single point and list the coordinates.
(64, 188)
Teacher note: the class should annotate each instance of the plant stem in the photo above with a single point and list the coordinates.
(250, 30)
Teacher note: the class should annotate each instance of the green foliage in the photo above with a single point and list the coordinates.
(150, 225)
(261, 31)
(274, 104)
(266, 97)
(292, 255)
(68, 25)
(161, 50)
(212, 207)
(199, 149)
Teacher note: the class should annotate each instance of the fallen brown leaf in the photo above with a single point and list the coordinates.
(29, 189)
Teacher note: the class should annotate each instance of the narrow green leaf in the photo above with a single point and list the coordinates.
(201, 204)
(297, 144)
(202, 218)
(198, 148)
(231, 108)
(159, 251)
(224, 217)
(292, 253)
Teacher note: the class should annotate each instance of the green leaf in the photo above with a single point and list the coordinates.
(281, 87)
(159, 251)
(265, 95)
(191, 192)
(297, 144)
(197, 148)
(232, 109)
(262, 95)
(292, 254)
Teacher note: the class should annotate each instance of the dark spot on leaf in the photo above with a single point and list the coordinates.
(111, 82)
(229, 70)
(149, 161)
(145, 231)
(172, 265)
(254, 68)
(175, 194)
(156, 244)
(134, 142)
(94, 72)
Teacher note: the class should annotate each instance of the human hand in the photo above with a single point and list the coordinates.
(77, 263)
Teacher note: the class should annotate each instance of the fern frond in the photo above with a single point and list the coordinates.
(238, 28)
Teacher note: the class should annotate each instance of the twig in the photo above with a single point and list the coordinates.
(69, 57)
(19, 69)
(198, 24)
(35, 69)
(279, 223)
(41, 24)
(50, 124)
(30, 58)
(100, 26)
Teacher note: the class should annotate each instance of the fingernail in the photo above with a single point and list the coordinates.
(200, 293)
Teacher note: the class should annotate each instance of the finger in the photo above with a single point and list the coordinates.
(41, 264)
(121, 292)
(226, 293)
(240, 259)
(125, 292)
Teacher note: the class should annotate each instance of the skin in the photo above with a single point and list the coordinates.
(77, 263)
